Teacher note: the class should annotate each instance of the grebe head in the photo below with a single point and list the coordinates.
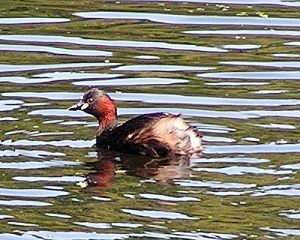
(97, 103)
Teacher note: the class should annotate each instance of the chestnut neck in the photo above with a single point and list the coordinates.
(106, 114)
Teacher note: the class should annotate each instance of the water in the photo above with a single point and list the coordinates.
(241, 2)
(192, 20)
(230, 67)
(109, 43)
(52, 50)
(234, 32)
(33, 20)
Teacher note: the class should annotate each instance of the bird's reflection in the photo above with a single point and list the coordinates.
(160, 169)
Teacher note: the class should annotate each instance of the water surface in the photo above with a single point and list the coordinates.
(192, 20)
(229, 67)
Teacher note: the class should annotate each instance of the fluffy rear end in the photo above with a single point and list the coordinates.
(181, 138)
(161, 135)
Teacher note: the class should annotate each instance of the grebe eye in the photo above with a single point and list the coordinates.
(90, 100)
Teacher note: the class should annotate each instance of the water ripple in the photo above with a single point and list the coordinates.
(51, 235)
(160, 197)
(230, 160)
(23, 224)
(36, 165)
(64, 216)
(185, 112)
(158, 214)
(261, 148)
(192, 20)
(147, 57)
(213, 184)
(275, 126)
(110, 43)
(71, 179)
(46, 95)
(132, 81)
(183, 235)
(29, 153)
(32, 20)
(296, 44)
(235, 32)
(229, 193)
(286, 55)
(291, 214)
(265, 75)
(241, 46)
(167, 98)
(61, 143)
(57, 76)
(237, 170)
(160, 68)
(3, 119)
(235, 84)
(31, 193)
(295, 166)
(21, 68)
(273, 64)
(94, 225)
(283, 232)
(5, 216)
(53, 50)
(290, 3)
(280, 190)
(8, 105)
(195, 100)
(24, 203)
(73, 235)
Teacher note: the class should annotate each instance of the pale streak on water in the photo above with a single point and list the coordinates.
(55, 186)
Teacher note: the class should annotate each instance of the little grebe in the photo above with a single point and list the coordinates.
(156, 134)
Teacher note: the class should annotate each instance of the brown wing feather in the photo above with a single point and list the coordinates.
(156, 134)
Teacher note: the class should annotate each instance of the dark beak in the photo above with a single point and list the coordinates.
(79, 106)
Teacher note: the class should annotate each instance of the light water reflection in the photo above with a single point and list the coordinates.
(292, 214)
(213, 184)
(4, 68)
(31, 193)
(36, 165)
(25, 20)
(57, 76)
(283, 232)
(168, 198)
(29, 153)
(283, 190)
(24, 203)
(47, 235)
(192, 20)
(71, 179)
(236, 170)
(242, 2)
(275, 64)
(131, 81)
(110, 43)
(237, 82)
(61, 143)
(256, 32)
(159, 98)
(158, 214)
(241, 46)
(160, 68)
(254, 114)
(147, 57)
(53, 50)
(231, 160)
(257, 75)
